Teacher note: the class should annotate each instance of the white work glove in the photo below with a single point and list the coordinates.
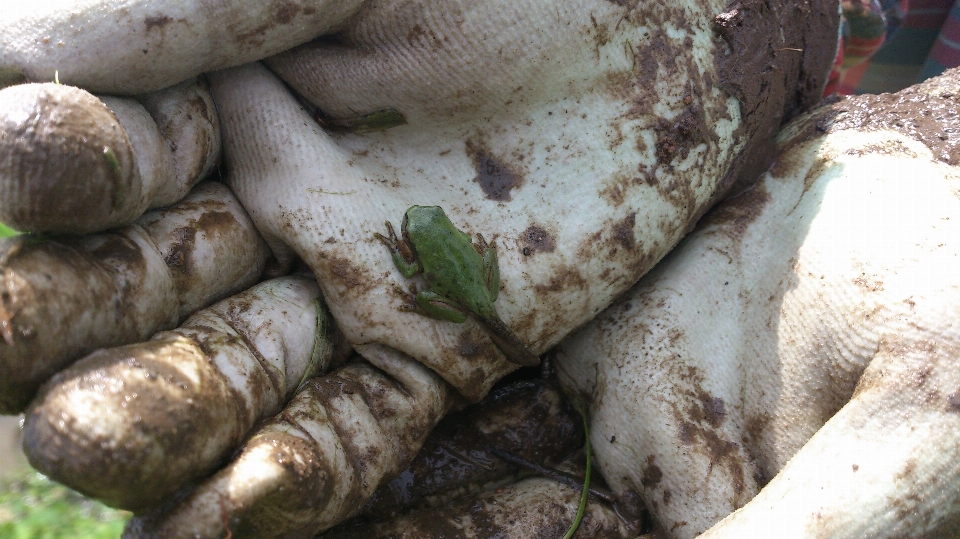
(583, 139)
(797, 358)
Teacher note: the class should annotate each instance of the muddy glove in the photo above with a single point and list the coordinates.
(575, 218)
(581, 140)
(796, 359)
(495, 470)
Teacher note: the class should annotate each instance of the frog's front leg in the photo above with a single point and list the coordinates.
(491, 267)
(404, 258)
(436, 306)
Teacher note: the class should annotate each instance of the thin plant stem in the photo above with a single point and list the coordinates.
(584, 494)
(556, 475)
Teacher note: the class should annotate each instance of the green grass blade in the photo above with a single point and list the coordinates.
(584, 494)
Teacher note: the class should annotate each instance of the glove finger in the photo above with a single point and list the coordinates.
(131, 425)
(73, 163)
(141, 46)
(315, 463)
(65, 297)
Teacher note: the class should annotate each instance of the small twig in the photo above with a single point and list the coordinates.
(547, 372)
(226, 520)
(556, 475)
(6, 326)
(449, 448)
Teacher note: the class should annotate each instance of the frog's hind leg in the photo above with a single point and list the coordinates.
(507, 341)
(491, 267)
(436, 306)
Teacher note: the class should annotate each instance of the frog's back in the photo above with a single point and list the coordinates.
(451, 265)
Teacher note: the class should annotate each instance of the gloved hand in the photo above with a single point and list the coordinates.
(803, 341)
(582, 139)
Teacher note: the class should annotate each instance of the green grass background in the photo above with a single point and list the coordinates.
(33, 507)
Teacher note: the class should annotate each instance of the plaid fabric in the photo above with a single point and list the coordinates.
(864, 31)
(888, 45)
(946, 50)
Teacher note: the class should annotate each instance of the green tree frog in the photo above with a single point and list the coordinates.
(461, 277)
